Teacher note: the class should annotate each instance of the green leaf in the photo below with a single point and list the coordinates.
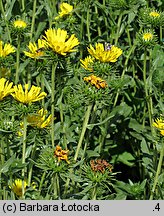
(135, 125)
(126, 158)
(5, 167)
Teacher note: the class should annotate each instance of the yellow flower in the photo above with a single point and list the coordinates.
(103, 55)
(20, 24)
(5, 88)
(154, 14)
(39, 120)
(59, 42)
(61, 154)
(17, 187)
(36, 51)
(159, 123)
(65, 10)
(96, 81)
(87, 63)
(26, 96)
(147, 36)
(6, 50)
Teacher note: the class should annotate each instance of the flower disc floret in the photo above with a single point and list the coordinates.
(154, 14)
(148, 36)
(20, 24)
(25, 96)
(5, 88)
(59, 41)
(103, 55)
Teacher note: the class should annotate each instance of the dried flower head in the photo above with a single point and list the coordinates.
(96, 81)
(100, 165)
(61, 154)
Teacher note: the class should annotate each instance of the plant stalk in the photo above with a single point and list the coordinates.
(84, 127)
(17, 60)
(54, 66)
(158, 171)
(24, 152)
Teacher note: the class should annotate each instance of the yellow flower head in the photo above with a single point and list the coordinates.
(148, 36)
(59, 42)
(20, 24)
(65, 9)
(154, 14)
(36, 51)
(17, 187)
(87, 63)
(61, 154)
(39, 120)
(5, 88)
(6, 50)
(159, 124)
(105, 55)
(96, 81)
(26, 96)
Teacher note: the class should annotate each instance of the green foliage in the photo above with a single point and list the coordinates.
(113, 122)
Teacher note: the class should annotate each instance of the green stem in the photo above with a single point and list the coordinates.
(94, 193)
(146, 89)
(41, 182)
(6, 22)
(118, 28)
(158, 171)
(2, 157)
(24, 152)
(54, 66)
(23, 6)
(124, 70)
(62, 121)
(84, 127)
(160, 35)
(31, 165)
(92, 120)
(17, 60)
(98, 27)
(104, 133)
(42, 87)
(56, 186)
(33, 19)
(88, 25)
(128, 34)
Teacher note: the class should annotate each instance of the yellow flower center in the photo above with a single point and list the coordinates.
(147, 36)
(154, 14)
(20, 24)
